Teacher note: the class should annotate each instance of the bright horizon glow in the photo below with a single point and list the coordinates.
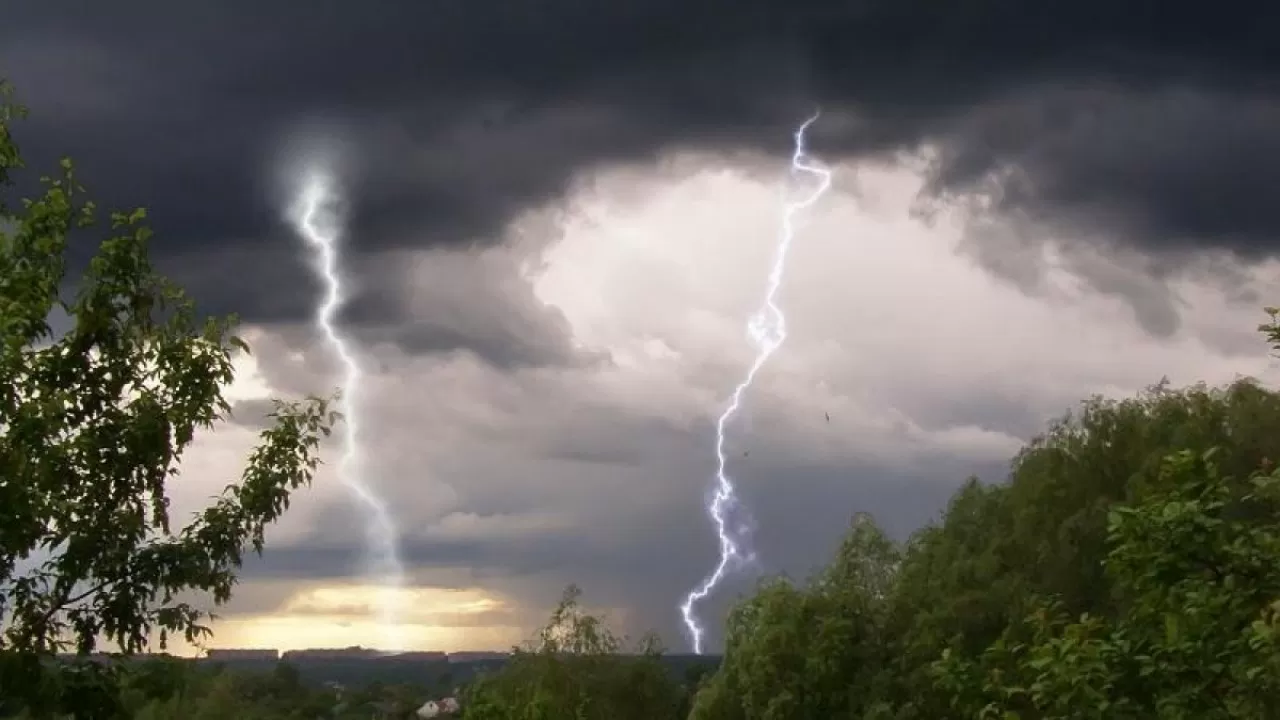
(340, 616)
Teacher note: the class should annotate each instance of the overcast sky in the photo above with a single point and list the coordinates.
(562, 213)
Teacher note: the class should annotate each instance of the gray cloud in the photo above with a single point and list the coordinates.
(1170, 171)
(555, 487)
(1174, 167)
(647, 562)
(475, 301)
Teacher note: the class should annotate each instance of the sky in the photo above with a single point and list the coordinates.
(560, 215)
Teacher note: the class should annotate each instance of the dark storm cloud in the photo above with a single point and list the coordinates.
(470, 301)
(1191, 167)
(1150, 124)
(1159, 117)
(253, 414)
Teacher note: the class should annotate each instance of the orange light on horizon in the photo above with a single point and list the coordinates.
(339, 616)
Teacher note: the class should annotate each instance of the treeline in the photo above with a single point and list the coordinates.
(176, 689)
(1126, 569)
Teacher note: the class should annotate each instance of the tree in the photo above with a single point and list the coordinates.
(1001, 549)
(1271, 329)
(1198, 633)
(93, 424)
(814, 651)
(575, 669)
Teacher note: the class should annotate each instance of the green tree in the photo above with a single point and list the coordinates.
(1271, 328)
(809, 652)
(155, 679)
(999, 549)
(1197, 636)
(92, 426)
(576, 669)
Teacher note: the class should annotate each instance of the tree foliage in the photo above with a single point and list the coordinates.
(576, 669)
(1195, 634)
(811, 651)
(93, 425)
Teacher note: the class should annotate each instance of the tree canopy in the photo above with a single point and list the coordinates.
(576, 669)
(94, 422)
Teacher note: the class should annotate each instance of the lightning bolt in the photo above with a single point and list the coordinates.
(767, 329)
(316, 220)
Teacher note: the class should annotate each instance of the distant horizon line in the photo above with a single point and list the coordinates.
(351, 652)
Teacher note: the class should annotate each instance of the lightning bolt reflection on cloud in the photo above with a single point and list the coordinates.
(767, 329)
(316, 219)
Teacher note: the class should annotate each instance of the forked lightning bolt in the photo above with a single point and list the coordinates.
(767, 330)
(316, 220)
